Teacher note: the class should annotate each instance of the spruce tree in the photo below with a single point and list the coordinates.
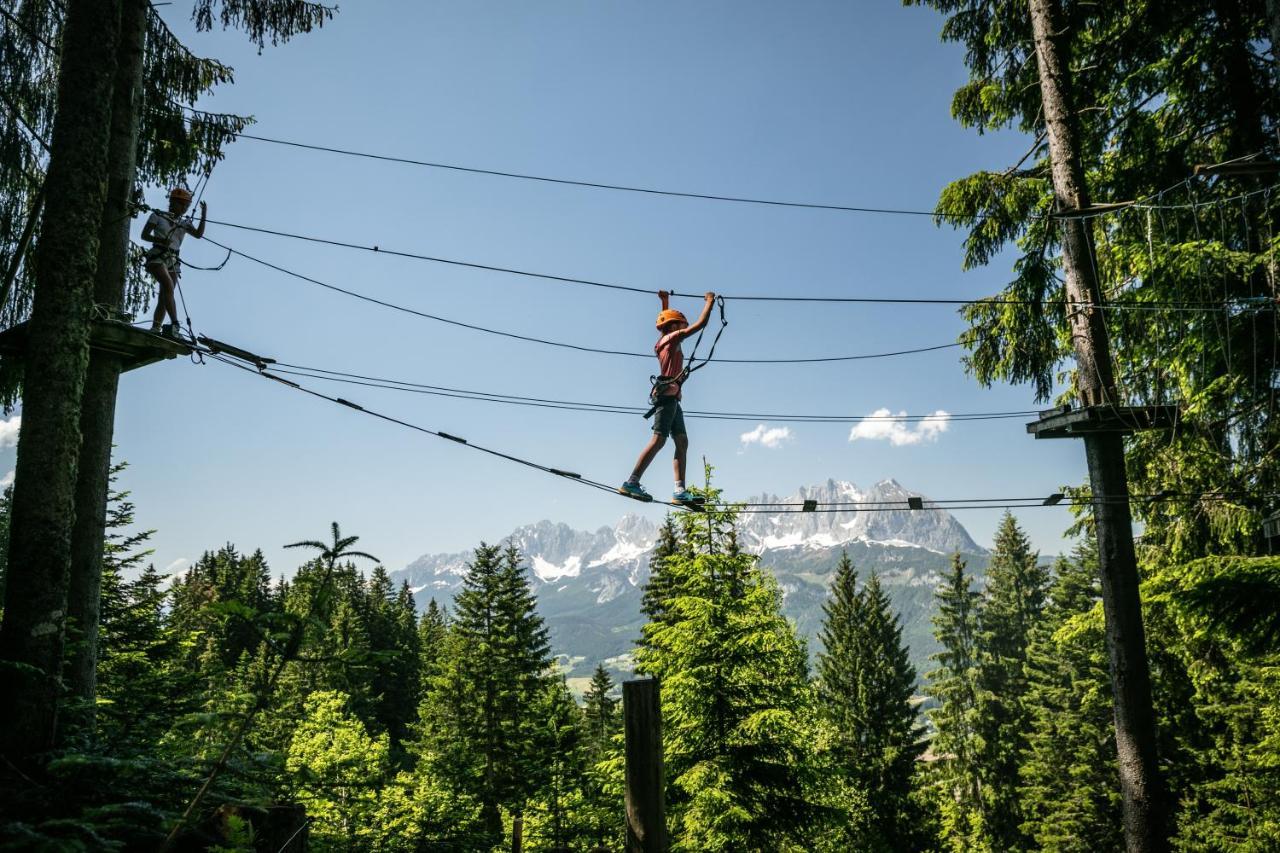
(602, 720)
(738, 712)
(600, 712)
(1069, 780)
(657, 592)
(954, 685)
(432, 632)
(864, 691)
(479, 716)
(1011, 610)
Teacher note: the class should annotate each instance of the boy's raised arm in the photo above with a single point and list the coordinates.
(701, 322)
(199, 229)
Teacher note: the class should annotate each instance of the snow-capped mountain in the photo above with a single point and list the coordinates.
(589, 583)
(931, 528)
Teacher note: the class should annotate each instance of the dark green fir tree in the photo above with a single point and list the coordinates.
(953, 752)
(865, 687)
(1012, 609)
(738, 712)
(480, 724)
(1070, 789)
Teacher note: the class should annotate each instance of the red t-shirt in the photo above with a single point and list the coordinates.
(670, 361)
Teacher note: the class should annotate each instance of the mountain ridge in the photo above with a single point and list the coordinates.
(589, 583)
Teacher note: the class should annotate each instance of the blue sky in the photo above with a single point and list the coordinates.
(833, 102)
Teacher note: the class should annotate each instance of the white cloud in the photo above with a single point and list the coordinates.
(9, 431)
(176, 566)
(766, 437)
(883, 425)
(6, 481)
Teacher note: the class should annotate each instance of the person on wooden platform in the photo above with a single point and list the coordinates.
(668, 418)
(164, 230)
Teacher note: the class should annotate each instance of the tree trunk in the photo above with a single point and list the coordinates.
(31, 638)
(97, 414)
(1140, 783)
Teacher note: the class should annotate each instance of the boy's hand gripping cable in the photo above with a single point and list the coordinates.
(659, 383)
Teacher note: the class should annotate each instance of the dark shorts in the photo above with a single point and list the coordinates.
(669, 417)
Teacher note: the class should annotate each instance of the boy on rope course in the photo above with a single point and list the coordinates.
(165, 230)
(668, 418)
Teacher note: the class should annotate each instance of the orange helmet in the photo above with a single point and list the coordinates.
(667, 315)
(180, 192)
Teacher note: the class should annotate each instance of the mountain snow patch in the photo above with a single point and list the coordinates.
(548, 571)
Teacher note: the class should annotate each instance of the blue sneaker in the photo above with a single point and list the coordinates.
(684, 496)
(633, 490)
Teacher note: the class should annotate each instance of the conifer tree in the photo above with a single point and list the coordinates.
(1069, 780)
(864, 692)
(1011, 610)
(655, 597)
(479, 717)
(602, 720)
(561, 817)
(600, 712)
(954, 685)
(738, 714)
(432, 632)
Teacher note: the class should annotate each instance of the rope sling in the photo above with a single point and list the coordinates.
(661, 383)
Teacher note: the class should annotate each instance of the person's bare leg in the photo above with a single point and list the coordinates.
(678, 464)
(161, 275)
(646, 456)
(170, 303)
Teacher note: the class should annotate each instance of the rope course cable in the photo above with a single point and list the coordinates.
(609, 408)
(562, 344)
(408, 161)
(857, 300)
(914, 503)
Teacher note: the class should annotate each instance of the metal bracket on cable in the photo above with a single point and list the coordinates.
(216, 347)
(452, 437)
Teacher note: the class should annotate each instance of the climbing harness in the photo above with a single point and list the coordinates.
(659, 384)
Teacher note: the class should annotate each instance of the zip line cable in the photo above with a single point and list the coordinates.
(858, 300)
(562, 344)
(771, 507)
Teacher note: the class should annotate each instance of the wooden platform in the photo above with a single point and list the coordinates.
(136, 347)
(1066, 422)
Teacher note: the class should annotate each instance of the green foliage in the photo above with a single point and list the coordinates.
(956, 773)
(1159, 87)
(479, 718)
(1070, 789)
(337, 769)
(1010, 612)
(738, 716)
(864, 689)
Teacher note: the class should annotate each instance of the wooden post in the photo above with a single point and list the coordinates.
(517, 833)
(1140, 784)
(645, 798)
